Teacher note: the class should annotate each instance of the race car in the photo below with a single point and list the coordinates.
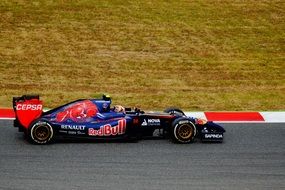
(96, 119)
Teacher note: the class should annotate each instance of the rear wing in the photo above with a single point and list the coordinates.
(27, 108)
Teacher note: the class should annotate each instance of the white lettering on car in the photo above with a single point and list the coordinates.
(73, 127)
(213, 136)
(29, 107)
(108, 130)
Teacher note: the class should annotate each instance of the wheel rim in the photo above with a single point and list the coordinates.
(185, 131)
(42, 132)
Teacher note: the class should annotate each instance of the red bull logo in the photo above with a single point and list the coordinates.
(108, 130)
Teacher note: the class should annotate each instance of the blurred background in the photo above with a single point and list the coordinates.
(197, 55)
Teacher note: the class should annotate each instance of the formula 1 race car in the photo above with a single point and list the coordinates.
(95, 119)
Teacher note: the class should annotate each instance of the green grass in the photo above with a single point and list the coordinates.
(197, 55)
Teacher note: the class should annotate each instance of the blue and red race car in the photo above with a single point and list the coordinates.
(95, 119)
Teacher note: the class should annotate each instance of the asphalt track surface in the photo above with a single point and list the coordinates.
(251, 157)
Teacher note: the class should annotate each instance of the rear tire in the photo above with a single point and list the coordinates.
(40, 132)
(183, 130)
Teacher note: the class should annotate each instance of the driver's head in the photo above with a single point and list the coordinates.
(119, 108)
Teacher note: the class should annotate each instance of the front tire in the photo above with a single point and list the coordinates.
(40, 132)
(183, 130)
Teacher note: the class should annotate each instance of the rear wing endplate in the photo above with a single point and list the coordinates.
(27, 108)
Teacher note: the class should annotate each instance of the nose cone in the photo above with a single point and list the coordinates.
(216, 127)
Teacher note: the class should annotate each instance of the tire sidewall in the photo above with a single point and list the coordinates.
(33, 126)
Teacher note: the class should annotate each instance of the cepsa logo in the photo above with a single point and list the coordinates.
(108, 130)
(29, 107)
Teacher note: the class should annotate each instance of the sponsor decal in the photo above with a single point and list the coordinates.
(108, 130)
(73, 127)
(213, 136)
(183, 122)
(144, 123)
(62, 131)
(29, 107)
(78, 112)
(72, 132)
(151, 122)
(80, 133)
(28, 111)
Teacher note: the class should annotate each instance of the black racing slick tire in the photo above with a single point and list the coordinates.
(174, 111)
(183, 130)
(40, 132)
